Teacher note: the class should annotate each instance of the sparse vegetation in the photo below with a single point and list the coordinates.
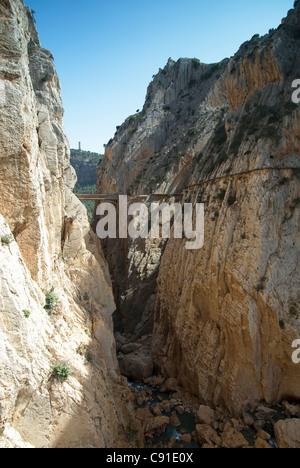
(84, 352)
(252, 122)
(61, 371)
(51, 300)
(208, 74)
(7, 239)
(196, 63)
(26, 313)
(193, 131)
(45, 78)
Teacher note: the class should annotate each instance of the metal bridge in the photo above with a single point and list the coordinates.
(115, 198)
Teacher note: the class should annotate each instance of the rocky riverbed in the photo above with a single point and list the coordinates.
(172, 418)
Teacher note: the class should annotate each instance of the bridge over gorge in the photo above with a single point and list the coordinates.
(115, 198)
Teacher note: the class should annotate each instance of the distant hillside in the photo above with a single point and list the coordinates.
(85, 164)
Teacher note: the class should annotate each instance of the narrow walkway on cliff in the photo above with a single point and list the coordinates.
(162, 196)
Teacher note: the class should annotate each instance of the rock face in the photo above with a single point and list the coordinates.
(227, 135)
(47, 246)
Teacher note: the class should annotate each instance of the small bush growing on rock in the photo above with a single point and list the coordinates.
(84, 352)
(26, 313)
(61, 371)
(8, 239)
(193, 131)
(51, 300)
(196, 63)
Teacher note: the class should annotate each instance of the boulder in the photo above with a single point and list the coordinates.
(174, 420)
(171, 385)
(207, 435)
(206, 415)
(187, 438)
(143, 413)
(157, 425)
(231, 438)
(130, 348)
(263, 435)
(287, 433)
(291, 410)
(262, 444)
(135, 367)
(155, 410)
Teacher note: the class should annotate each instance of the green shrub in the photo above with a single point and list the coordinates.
(8, 239)
(193, 131)
(61, 371)
(196, 63)
(45, 78)
(26, 313)
(208, 74)
(84, 352)
(51, 300)
(86, 297)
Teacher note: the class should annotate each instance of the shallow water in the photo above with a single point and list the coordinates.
(188, 423)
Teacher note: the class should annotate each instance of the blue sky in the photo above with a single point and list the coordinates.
(107, 51)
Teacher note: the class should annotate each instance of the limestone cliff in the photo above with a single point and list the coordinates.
(226, 135)
(48, 251)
